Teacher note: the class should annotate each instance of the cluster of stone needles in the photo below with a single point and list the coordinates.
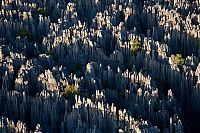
(99, 66)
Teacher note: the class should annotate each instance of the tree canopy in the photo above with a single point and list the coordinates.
(179, 60)
(23, 32)
(70, 92)
(41, 11)
(135, 46)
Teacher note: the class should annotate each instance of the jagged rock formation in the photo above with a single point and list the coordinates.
(46, 45)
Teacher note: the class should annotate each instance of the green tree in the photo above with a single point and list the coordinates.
(179, 60)
(70, 92)
(135, 46)
(41, 11)
(23, 32)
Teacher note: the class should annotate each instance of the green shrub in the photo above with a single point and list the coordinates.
(70, 92)
(179, 60)
(23, 32)
(41, 11)
(135, 46)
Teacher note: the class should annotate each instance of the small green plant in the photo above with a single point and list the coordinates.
(23, 32)
(135, 46)
(70, 92)
(41, 11)
(179, 60)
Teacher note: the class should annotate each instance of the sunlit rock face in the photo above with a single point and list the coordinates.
(98, 66)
